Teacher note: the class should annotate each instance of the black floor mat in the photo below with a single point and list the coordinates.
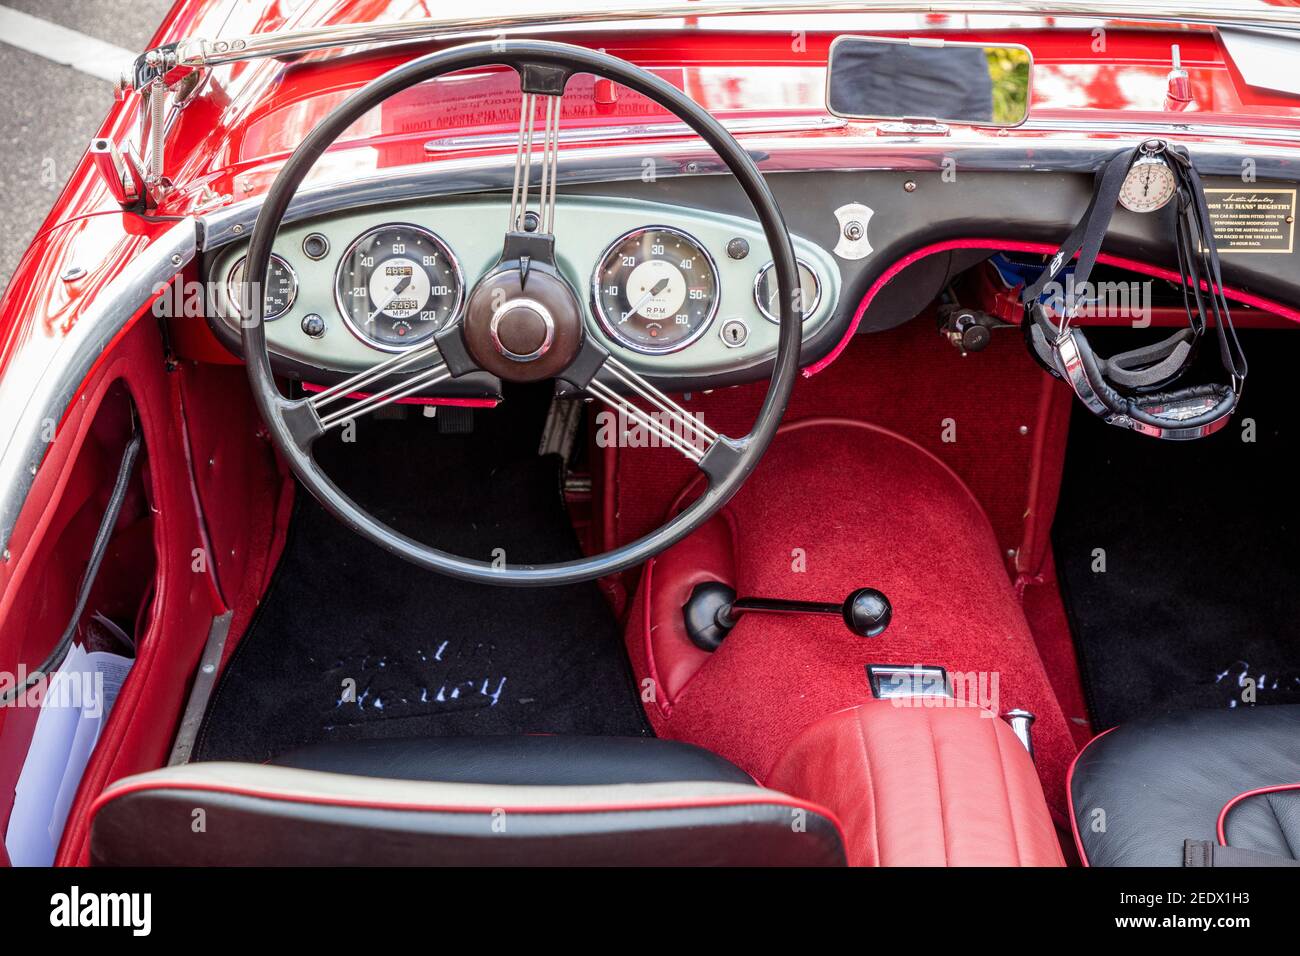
(1200, 549)
(351, 642)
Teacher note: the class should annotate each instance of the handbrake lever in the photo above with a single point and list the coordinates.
(712, 611)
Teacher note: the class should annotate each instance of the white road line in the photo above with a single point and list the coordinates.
(101, 60)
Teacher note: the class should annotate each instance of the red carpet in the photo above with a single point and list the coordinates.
(909, 380)
(861, 506)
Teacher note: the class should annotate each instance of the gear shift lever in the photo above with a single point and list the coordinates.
(712, 611)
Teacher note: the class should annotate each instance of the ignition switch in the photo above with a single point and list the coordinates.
(969, 330)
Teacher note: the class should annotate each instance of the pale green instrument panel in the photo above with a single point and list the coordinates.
(472, 231)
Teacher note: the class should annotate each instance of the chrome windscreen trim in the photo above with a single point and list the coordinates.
(45, 373)
(497, 19)
(1172, 130)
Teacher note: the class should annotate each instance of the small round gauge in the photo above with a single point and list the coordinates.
(767, 295)
(655, 289)
(397, 285)
(281, 289)
(1148, 186)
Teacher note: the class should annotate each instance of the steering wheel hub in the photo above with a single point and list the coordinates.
(523, 327)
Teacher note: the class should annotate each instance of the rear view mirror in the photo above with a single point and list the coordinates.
(930, 80)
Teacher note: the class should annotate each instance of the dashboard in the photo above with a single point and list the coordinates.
(669, 289)
(643, 230)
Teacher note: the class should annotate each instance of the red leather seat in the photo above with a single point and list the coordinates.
(920, 784)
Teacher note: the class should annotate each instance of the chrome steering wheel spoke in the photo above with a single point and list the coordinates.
(667, 421)
(524, 148)
(335, 406)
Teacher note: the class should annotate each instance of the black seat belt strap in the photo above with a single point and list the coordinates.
(1200, 853)
(1087, 236)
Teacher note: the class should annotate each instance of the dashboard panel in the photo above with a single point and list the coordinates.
(1038, 201)
(670, 290)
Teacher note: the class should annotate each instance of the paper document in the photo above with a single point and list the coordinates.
(75, 705)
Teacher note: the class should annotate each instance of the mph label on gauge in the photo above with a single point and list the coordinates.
(1252, 220)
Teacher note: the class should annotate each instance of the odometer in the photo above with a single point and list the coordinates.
(397, 285)
(655, 289)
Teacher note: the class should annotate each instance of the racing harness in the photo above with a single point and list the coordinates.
(1132, 389)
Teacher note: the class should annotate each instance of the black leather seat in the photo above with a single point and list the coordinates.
(1227, 776)
(520, 760)
(463, 801)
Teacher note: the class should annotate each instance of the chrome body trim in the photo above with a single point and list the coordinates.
(614, 134)
(45, 373)
(119, 169)
(1183, 126)
(200, 53)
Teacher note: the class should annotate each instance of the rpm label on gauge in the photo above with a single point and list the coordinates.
(655, 289)
(1252, 220)
(397, 285)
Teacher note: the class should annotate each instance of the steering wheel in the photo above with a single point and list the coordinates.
(522, 321)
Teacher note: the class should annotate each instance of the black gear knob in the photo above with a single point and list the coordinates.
(867, 612)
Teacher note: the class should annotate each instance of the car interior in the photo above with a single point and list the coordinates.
(497, 480)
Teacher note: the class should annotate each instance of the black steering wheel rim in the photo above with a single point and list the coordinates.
(745, 452)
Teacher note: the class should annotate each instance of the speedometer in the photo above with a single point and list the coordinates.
(397, 285)
(655, 289)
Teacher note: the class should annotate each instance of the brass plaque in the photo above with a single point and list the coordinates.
(1252, 220)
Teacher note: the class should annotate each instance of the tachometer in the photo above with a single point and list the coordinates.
(396, 285)
(655, 289)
